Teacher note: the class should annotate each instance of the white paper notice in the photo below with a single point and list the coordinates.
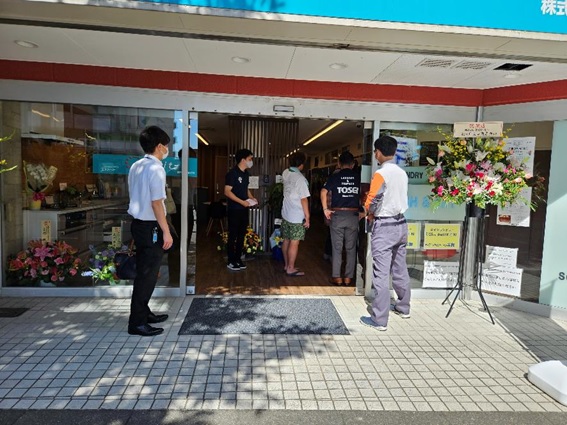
(517, 214)
(522, 149)
(500, 256)
(439, 274)
(252, 202)
(254, 182)
(503, 280)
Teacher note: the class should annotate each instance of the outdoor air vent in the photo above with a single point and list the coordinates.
(512, 67)
(436, 63)
(475, 65)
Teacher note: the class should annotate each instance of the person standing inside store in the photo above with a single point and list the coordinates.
(150, 231)
(385, 205)
(295, 212)
(344, 216)
(239, 200)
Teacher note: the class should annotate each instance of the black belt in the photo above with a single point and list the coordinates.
(344, 209)
(145, 221)
(394, 217)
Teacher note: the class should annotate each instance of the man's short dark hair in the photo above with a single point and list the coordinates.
(241, 154)
(346, 158)
(297, 159)
(151, 137)
(387, 145)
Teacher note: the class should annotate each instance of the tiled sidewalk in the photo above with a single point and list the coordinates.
(74, 353)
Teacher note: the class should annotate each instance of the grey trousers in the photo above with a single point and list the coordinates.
(389, 240)
(344, 232)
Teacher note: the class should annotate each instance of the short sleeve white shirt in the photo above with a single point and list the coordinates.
(146, 183)
(296, 188)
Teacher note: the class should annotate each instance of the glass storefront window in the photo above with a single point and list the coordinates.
(416, 142)
(74, 193)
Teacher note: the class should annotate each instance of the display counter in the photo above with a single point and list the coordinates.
(90, 224)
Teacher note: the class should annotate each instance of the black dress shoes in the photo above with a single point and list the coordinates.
(157, 318)
(144, 330)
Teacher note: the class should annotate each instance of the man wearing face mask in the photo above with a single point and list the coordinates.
(239, 200)
(150, 231)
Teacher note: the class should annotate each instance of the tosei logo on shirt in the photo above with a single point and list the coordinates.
(239, 179)
(350, 189)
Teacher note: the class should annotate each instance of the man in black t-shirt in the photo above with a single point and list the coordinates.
(239, 200)
(344, 215)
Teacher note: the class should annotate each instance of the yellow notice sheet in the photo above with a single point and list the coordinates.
(442, 236)
(414, 236)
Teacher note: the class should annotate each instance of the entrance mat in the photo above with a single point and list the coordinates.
(12, 312)
(231, 315)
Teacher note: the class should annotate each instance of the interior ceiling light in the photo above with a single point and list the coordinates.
(338, 66)
(202, 139)
(325, 130)
(26, 44)
(239, 59)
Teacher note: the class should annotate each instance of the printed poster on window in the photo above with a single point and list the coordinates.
(414, 236)
(442, 236)
(518, 214)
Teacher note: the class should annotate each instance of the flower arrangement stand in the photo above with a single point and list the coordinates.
(470, 258)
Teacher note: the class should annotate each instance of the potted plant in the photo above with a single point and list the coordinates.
(275, 199)
(102, 267)
(43, 264)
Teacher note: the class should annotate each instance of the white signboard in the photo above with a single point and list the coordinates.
(523, 149)
(439, 274)
(500, 256)
(518, 214)
(478, 129)
(254, 182)
(407, 151)
(503, 280)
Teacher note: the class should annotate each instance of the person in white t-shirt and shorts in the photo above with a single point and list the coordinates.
(295, 212)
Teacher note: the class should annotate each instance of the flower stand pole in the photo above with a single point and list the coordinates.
(471, 258)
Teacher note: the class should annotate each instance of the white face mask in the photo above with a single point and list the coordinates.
(166, 153)
(249, 164)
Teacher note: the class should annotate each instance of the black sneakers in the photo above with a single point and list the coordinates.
(233, 266)
(236, 266)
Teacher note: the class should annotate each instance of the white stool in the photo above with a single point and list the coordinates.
(551, 378)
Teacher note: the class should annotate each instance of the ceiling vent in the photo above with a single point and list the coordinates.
(436, 63)
(474, 65)
(512, 67)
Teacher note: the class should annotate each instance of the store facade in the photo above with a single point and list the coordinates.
(65, 99)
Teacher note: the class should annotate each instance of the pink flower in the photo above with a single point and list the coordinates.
(455, 192)
(440, 191)
(431, 179)
(469, 167)
(42, 252)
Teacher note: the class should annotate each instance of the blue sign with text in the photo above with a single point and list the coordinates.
(548, 16)
(120, 164)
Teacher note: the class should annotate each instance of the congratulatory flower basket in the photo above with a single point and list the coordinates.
(479, 172)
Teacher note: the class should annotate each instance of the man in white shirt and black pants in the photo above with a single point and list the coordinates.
(150, 231)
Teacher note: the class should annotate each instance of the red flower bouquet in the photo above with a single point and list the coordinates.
(50, 261)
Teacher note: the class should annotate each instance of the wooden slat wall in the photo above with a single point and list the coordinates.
(270, 140)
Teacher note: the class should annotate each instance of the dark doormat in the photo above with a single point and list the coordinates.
(12, 312)
(230, 315)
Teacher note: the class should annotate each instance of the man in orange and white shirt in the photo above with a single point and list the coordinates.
(385, 206)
